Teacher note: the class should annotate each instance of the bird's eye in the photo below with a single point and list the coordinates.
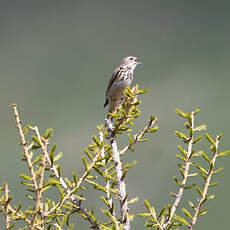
(131, 58)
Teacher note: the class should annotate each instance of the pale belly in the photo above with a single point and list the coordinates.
(116, 91)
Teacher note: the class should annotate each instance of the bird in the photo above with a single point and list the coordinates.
(121, 77)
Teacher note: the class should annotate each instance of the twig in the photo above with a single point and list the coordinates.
(107, 186)
(20, 216)
(46, 154)
(86, 215)
(57, 226)
(39, 206)
(9, 209)
(186, 172)
(6, 205)
(139, 136)
(207, 183)
(25, 146)
(155, 218)
(28, 158)
(120, 179)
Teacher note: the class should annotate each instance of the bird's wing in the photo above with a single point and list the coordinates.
(115, 74)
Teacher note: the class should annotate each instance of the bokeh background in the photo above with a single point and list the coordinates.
(56, 59)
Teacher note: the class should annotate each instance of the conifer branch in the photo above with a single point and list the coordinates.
(43, 142)
(25, 146)
(39, 204)
(28, 160)
(206, 185)
(9, 210)
(140, 135)
(186, 173)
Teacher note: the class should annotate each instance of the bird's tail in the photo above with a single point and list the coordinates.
(106, 102)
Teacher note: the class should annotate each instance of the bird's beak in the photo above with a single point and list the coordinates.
(138, 62)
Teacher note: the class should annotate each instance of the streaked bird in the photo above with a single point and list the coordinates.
(120, 79)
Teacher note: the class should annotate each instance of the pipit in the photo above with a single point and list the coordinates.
(121, 78)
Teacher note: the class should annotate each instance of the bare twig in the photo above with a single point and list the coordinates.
(206, 185)
(120, 179)
(186, 172)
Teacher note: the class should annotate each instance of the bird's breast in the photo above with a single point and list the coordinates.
(123, 80)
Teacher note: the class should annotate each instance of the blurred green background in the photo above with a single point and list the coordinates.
(56, 59)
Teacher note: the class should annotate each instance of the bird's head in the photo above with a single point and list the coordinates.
(131, 61)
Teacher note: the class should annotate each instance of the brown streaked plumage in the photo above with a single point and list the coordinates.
(121, 78)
